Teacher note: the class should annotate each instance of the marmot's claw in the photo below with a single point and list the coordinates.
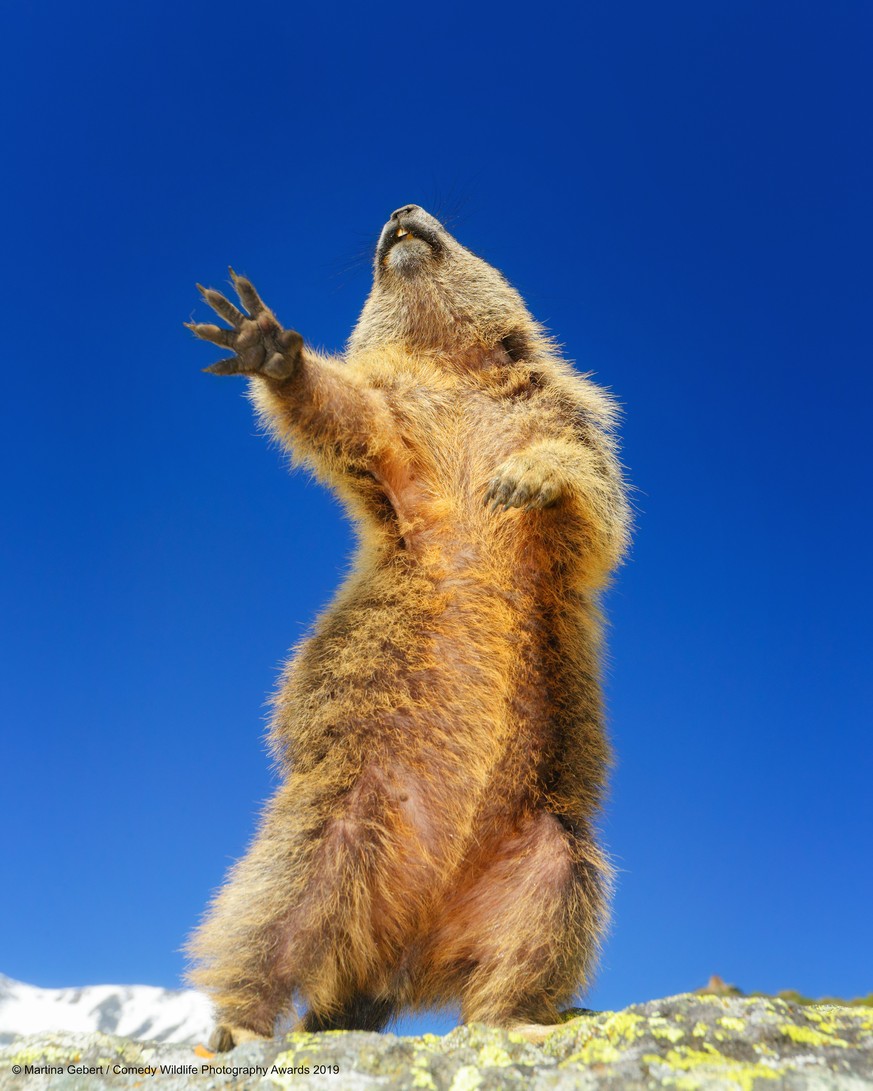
(250, 298)
(498, 493)
(222, 306)
(230, 365)
(521, 494)
(216, 334)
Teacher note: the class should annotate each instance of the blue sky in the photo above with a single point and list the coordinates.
(682, 193)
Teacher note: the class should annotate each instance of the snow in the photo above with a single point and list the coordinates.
(133, 1011)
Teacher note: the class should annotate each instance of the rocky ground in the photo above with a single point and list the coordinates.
(684, 1042)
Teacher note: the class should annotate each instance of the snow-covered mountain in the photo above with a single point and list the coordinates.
(133, 1011)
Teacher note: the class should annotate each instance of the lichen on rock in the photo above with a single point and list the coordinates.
(684, 1042)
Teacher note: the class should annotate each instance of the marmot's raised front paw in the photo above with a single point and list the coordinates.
(262, 347)
(523, 481)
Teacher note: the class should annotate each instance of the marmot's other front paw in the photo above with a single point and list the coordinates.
(262, 347)
(523, 481)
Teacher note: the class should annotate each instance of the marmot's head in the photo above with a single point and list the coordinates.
(431, 292)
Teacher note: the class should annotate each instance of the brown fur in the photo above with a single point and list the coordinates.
(440, 732)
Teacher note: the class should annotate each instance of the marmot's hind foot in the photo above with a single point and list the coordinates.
(535, 1033)
(226, 1036)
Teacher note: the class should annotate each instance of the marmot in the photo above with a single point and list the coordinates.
(440, 732)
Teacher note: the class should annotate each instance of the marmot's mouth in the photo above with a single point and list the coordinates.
(406, 233)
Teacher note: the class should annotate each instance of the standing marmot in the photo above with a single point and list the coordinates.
(440, 731)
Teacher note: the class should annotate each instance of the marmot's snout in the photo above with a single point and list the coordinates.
(410, 236)
(406, 210)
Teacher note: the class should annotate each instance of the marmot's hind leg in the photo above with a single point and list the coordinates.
(358, 1013)
(264, 935)
(296, 920)
(529, 924)
(237, 949)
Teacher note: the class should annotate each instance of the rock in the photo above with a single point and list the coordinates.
(683, 1042)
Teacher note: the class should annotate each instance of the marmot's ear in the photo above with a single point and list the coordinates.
(517, 345)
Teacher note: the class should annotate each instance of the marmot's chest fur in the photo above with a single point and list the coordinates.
(449, 428)
(440, 731)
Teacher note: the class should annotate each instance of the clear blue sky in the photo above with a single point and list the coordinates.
(682, 192)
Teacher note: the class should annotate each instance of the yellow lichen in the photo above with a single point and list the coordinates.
(661, 1028)
(421, 1077)
(624, 1026)
(688, 1067)
(302, 1038)
(594, 1051)
(809, 1037)
(603, 1038)
(493, 1055)
(282, 1079)
(668, 1032)
(467, 1078)
(50, 1055)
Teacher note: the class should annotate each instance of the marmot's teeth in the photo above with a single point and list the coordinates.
(401, 232)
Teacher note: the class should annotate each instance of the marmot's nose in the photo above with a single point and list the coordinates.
(398, 212)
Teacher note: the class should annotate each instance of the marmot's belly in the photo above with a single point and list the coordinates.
(438, 683)
(465, 659)
(390, 640)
